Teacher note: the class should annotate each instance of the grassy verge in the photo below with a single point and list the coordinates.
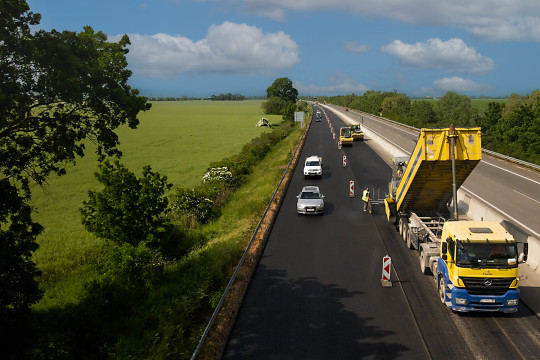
(83, 317)
(197, 281)
(178, 139)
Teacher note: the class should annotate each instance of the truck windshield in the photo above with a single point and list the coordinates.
(487, 255)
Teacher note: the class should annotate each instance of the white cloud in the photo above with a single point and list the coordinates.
(459, 85)
(354, 47)
(452, 56)
(499, 20)
(339, 84)
(227, 48)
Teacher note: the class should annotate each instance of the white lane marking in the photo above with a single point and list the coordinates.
(511, 172)
(528, 197)
(502, 212)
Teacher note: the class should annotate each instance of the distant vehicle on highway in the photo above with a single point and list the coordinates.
(357, 132)
(310, 201)
(345, 136)
(313, 166)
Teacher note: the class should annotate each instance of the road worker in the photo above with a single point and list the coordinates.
(365, 198)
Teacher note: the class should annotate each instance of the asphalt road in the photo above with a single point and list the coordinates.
(316, 293)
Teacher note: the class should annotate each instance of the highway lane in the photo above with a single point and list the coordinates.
(510, 189)
(316, 293)
(478, 335)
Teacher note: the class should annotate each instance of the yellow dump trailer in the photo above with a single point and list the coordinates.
(427, 181)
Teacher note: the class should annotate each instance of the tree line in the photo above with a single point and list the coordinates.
(511, 128)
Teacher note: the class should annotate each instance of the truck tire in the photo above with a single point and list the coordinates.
(442, 290)
(425, 270)
(410, 245)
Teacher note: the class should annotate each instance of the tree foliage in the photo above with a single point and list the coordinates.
(128, 209)
(283, 88)
(58, 89)
(282, 98)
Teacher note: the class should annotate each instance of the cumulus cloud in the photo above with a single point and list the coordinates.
(459, 85)
(339, 84)
(354, 47)
(491, 19)
(228, 48)
(452, 56)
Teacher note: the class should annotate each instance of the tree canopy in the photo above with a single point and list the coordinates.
(282, 88)
(58, 90)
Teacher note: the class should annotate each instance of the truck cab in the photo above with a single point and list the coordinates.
(477, 269)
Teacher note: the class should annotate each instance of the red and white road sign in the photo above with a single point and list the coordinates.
(386, 268)
(344, 160)
(339, 145)
(333, 135)
(351, 188)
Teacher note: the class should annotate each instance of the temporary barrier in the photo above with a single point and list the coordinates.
(351, 188)
(385, 280)
(339, 145)
(344, 159)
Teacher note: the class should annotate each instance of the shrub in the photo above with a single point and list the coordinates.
(194, 203)
(127, 210)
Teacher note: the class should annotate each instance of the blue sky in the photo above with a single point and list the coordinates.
(419, 47)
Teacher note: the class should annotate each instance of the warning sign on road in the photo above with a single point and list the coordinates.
(385, 280)
(344, 160)
(351, 188)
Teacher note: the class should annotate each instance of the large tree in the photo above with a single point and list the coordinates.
(283, 89)
(58, 90)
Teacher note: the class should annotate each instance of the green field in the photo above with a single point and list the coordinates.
(178, 139)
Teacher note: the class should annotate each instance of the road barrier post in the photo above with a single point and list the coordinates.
(351, 188)
(385, 280)
(344, 160)
(339, 145)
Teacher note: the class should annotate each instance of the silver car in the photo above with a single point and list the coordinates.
(310, 201)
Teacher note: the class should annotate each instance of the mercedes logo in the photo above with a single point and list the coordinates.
(488, 282)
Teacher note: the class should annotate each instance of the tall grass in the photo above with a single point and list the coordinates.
(178, 139)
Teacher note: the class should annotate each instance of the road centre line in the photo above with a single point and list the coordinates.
(511, 172)
(528, 197)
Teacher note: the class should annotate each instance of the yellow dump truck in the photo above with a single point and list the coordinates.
(345, 136)
(474, 263)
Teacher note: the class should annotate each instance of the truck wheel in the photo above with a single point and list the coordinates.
(442, 290)
(408, 239)
(425, 270)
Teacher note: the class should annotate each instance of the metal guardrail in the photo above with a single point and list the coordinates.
(243, 258)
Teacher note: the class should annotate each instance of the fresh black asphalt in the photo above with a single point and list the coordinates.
(316, 293)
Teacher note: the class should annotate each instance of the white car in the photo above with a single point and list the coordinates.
(310, 201)
(313, 166)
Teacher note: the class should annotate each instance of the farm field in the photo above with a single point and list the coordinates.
(178, 139)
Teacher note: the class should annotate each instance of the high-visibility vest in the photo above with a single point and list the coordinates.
(365, 195)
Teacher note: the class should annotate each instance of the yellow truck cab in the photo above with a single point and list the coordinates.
(477, 269)
(357, 132)
(345, 136)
